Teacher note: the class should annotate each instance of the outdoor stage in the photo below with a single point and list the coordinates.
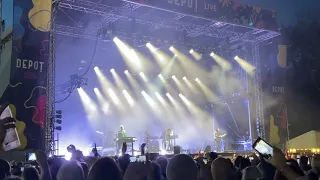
(228, 29)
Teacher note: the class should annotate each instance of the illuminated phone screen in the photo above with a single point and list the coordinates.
(263, 148)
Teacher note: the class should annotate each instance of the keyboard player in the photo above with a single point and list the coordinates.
(121, 135)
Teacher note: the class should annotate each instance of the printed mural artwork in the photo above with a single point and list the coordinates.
(26, 92)
(220, 10)
(276, 113)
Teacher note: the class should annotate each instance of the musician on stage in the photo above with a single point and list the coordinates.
(218, 140)
(121, 135)
(122, 132)
(167, 139)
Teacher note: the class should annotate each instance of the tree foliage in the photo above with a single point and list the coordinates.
(303, 78)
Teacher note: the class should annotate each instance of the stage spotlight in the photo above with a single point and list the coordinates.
(173, 77)
(148, 44)
(191, 51)
(171, 48)
(180, 95)
(126, 71)
(197, 79)
(159, 75)
(124, 91)
(156, 93)
(212, 54)
(184, 78)
(236, 57)
(143, 92)
(141, 74)
(96, 90)
(167, 94)
(112, 70)
(96, 68)
(115, 39)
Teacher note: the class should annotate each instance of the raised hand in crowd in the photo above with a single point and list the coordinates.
(5, 123)
(204, 169)
(43, 164)
(138, 171)
(278, 160)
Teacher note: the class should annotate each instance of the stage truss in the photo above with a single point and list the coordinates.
(108, 14)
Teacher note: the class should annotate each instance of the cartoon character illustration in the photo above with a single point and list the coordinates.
(40, 15)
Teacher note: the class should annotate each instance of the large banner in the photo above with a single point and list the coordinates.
(26, 91)
(219, 10)
(274, 96)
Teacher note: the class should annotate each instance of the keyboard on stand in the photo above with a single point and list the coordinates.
(127, 140)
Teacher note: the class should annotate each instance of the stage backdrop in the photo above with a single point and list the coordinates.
(274, 86)
(26, 92)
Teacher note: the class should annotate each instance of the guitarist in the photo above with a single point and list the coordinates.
(218, 140)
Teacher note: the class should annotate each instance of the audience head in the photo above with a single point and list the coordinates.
(85, 169)
(157, 174)
(70, 170)
(303, 160)
(163, 163)
(180, 167)
(30, 173)
(213, 156)
(124, 162)
(315, 163)
(13, 178)
(244, 162)
(221, 169)
(251, 173)
(237, 162)
(104, 167)
(4, 169)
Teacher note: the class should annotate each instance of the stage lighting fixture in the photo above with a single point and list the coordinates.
(167, 94)
(141, 74)
(184, 78)
(180, 95)
(173, 77)
(191, 51)
(95, 89)
(197, 79)
(112, 70)
(159, 75)
(156, 93)
(171, 48)
(212, 54)
(143, 92)
(124, 91)
(115, 39)
(96, 68)
(236, 57)
(126, 71)
(148, 44)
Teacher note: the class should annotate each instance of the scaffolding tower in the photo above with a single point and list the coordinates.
(49, 141)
